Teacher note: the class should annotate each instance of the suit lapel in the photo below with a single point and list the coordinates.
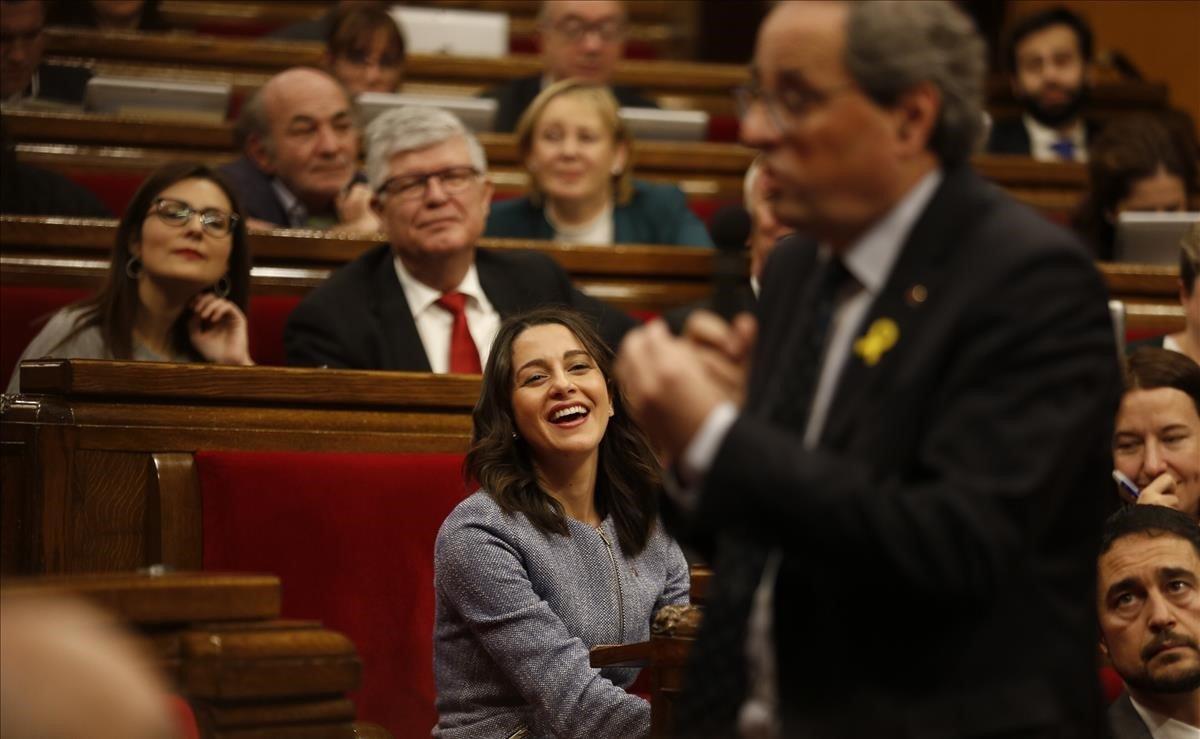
(402, 347)
(901, 306)
(506, 294)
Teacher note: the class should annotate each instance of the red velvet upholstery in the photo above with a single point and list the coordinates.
(185, 719)
(114, 189)
(24, 309)
(23, 312)
(268, 314)
(351, 537)
(1111, 684)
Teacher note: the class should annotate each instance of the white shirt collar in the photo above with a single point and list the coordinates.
(1163, 727)
(421, 296)
(871, 257)
(1042, 138)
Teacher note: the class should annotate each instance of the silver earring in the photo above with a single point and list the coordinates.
(221, 289)
(515, 437)
(133, 268)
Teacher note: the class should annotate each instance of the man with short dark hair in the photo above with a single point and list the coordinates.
(902, 512)
(298, 169)
(23, 74)
(1049, 58)
(581, 39)
(1149, 609)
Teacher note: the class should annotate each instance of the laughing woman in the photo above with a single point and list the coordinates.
(177, 286)
(560, 550)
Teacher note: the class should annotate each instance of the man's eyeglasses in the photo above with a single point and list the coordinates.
(453, 180)
(177, 213)
(576, 29)
(787, 106)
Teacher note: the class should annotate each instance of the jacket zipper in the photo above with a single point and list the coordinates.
(620, 596)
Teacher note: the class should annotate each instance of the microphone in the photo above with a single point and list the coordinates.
(730, 229)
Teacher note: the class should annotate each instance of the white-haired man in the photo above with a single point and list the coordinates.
(428, 300)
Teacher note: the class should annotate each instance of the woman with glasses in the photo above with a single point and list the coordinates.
(365, 50)
(578, 154)
(178, 284)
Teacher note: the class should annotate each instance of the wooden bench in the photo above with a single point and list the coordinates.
(126, 149)
(675, 84)
(220, 641)
(336, 480)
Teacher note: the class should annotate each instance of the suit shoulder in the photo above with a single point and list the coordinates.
(348, 281)
(513, 218)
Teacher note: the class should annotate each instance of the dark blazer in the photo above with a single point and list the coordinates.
(359, 318)
(254, 191)
(1009, 136)
(656, 214)
(939, 545)
(1125, 722)
(515, 96)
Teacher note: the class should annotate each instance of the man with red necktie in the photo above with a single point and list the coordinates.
(428, 300)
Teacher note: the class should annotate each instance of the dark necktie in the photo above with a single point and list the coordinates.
(717, 679)
(1065, 149)
(464, 356)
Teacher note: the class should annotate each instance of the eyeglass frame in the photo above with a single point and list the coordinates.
(188, 211)
(783, 115)
(420, 183)
(620, 27)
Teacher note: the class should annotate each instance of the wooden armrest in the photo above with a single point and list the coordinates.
(621, 655)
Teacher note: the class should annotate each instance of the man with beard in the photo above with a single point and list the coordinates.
(1149, 606)
(1049, 56)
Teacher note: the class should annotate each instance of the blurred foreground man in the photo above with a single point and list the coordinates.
(903, 512)
(1149, 608)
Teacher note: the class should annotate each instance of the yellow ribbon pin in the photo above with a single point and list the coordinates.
(881, 336)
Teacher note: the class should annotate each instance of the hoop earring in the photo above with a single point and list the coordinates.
(221, 289)
(133, 268)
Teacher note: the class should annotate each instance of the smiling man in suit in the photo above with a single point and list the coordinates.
(902, 514)
(428, 300)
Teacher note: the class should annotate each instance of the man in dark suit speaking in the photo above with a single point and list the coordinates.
(902, 515)
(428, 300)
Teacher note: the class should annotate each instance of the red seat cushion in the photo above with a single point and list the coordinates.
(351, 536)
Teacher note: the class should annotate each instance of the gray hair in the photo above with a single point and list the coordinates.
(410, 128)
(893, 46)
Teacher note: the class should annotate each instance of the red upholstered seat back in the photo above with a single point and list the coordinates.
(268, 314)
(114, 189)
(351, 537)
(23, 312)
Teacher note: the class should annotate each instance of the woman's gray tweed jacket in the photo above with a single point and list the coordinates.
(517, 611)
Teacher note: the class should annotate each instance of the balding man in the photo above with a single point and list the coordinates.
(582, 39)
(300, 144)
(902, 514)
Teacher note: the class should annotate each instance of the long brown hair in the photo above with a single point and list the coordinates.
(114, 308)
(628, 477)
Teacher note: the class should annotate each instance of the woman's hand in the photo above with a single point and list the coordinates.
(1161, 491)
(218, 330)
